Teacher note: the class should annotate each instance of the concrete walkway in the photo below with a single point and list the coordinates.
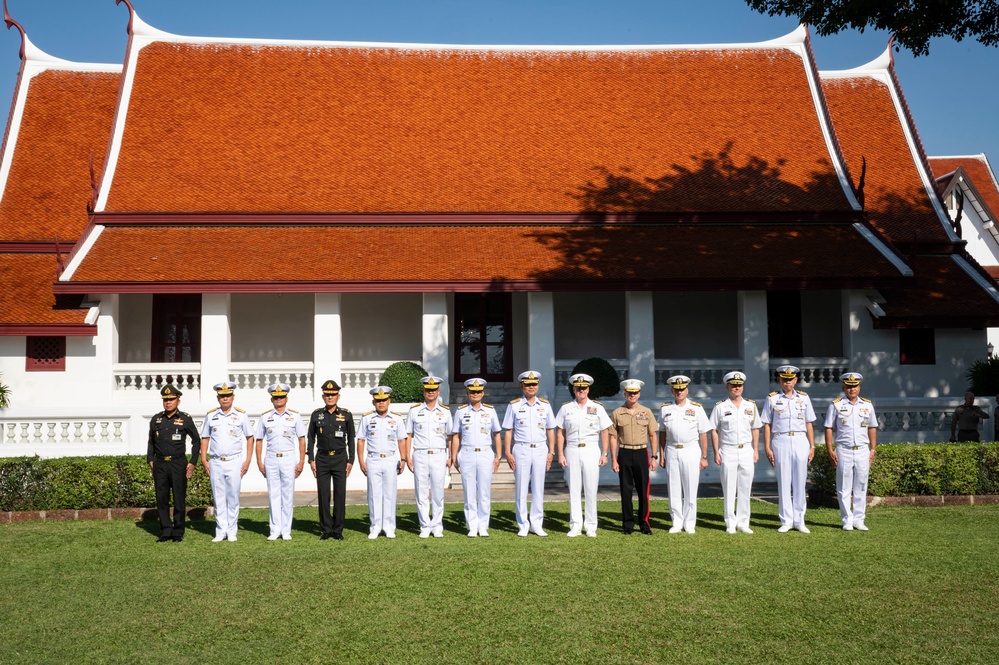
(762, 491)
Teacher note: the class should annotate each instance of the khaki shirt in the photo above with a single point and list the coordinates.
(633, 430)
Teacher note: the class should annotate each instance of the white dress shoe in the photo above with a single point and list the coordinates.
(784, 528)
(688, 529)
(522, 533)
(847, 527)
(483, 533)
(745, 529)
(591, 534)
(573, 533)
(218, 539)
(730, 529)
(860, 526)
(372, 536)
(286, 537)
(424, 533)
(675, 529)
(473, 534)
(802, 528)
(273, 537)
(539, 532)
(390, 536)
(439, 534)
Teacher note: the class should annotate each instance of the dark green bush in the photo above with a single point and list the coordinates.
(902, 469)
(983, 376)
(80, 483)
(605, 381)
(404, 380)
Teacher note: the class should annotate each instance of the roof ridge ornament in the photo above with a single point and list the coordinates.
(11, 23)
(796, 36)
(136, 26)
(28, 50)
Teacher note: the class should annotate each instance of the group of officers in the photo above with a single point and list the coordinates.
(429, 440)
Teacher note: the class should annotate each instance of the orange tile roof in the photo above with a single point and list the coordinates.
(509, 257)
(868, 127)
(32, 302)
(67, 118)
(975, 167)
(265, 128)
(942, 295)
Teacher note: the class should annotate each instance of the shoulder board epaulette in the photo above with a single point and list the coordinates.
(596, 402)
(184, 414)
(569, 402)
(864, 399)
(695, 403)
(239, 409)
(322, 408)
(749, 400)
(444, 406)
(542, 399)
(292, 410)
(396, 413)
(514, 401)
(721, 401)
(489, 406)
(368, 413)
(217, 408)
(802, 392)
(340, 408)
(838, 399)
(773, 393)
(666, 404)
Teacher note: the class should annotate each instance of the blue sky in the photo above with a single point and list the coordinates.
(949, 93)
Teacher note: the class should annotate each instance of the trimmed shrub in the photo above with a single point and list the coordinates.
(81, 483)
(903, 469)
(983, 376)
(605, 381)
(404, 380)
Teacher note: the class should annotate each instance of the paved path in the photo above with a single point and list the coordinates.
(763, 491)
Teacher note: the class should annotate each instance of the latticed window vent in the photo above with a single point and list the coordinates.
(45, 354)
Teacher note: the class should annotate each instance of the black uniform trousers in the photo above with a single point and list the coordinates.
(634, 475)
(167, 477)
(331, 467)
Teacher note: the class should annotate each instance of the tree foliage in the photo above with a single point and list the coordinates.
(4, 396)
(983, 376)
(404, 379)
(913, 22)
(605, 381)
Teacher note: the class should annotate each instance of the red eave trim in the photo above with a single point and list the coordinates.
(47, 330)
(461, 219)
(35, 247)
(582, 283)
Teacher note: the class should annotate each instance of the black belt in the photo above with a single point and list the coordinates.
(168, 458)
(330, 453)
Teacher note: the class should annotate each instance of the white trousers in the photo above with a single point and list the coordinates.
(530, 470)
(430, 475)
(683, 466)
(791, 466)
(583, 476)
(226, 479)
(852, 472)
(383, 479)
(737, 470)
(476, 484)
(280, 491)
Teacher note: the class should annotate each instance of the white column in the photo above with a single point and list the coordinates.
(106, 343)
(755, 341)
(215, 343)
(640, 328)
(541, 340)
(435, 339)
(327, 352)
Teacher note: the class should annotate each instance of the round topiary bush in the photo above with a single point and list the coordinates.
(605, 381)
(404, 380)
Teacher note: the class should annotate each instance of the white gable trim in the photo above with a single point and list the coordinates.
(975, 275)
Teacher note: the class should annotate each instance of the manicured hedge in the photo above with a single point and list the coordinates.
(903, 469)
(33, 483)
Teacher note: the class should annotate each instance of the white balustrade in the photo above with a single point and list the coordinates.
(151, 377)
(260, 375)
(364, 374)
(58, 430)
(563, 369)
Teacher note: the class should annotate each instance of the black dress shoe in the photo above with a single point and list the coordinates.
(325, 536)
(647, 532)
(337, 536)
(626, 532)
(162, 539)
(178, 539)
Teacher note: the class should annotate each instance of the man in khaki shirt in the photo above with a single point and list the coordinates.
(632, 432)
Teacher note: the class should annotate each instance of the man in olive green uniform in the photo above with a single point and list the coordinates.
(331, 456)
(165, 454)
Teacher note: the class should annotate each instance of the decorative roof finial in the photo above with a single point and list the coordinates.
(891, 51)
(11, 23)
(131, 12)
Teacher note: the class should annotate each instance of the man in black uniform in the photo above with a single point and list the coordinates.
(333, 427)
(165, 454)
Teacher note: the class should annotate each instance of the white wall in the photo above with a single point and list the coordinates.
(135, 327)
(382, 326)
(272, 327)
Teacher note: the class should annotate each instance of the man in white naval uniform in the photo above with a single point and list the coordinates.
(476, 452)
(790, 446)
(684, 444)
(429, 428)
(382, 453)
(582, 443)
(280, 427)
(736, 441)
(226, 451)
(529, 446)
(852, 424)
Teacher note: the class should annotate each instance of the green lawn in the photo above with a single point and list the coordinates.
(921, 587)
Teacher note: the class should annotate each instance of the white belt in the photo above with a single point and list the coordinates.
(226, 458)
